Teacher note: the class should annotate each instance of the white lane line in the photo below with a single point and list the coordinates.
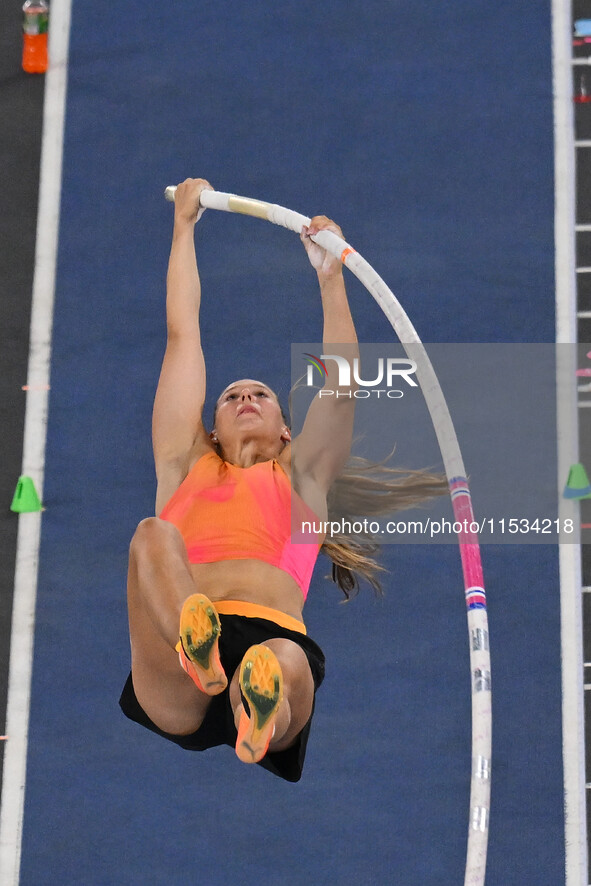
(29, 529)
(573, 720)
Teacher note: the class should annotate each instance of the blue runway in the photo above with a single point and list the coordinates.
(426, 132)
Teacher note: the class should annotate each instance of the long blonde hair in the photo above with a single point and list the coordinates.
(368, 489)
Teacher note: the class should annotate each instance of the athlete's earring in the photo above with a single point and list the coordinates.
(286, 435)
(214, 437)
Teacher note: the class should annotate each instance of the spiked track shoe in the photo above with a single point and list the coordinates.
(261, 687)
(198, 647)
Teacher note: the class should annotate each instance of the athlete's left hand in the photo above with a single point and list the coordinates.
(322, 261)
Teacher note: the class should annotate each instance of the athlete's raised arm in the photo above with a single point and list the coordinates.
(177, 427)
(323, 446)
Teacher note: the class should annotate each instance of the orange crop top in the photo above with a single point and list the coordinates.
(225, 512)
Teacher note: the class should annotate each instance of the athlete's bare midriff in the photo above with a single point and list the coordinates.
(250, 581)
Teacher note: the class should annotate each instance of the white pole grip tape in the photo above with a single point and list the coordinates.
(278, 215)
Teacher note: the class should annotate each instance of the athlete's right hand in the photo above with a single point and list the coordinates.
(186, 200)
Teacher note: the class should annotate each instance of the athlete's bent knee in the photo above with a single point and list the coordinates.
(152, 534)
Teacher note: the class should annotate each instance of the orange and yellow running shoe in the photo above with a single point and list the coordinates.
(261, 687)
(198, 647)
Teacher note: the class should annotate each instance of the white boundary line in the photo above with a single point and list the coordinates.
(29, 529)
(573, 741)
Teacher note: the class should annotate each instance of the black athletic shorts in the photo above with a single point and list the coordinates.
(238, 634)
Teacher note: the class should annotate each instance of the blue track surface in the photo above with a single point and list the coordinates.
(426, 132)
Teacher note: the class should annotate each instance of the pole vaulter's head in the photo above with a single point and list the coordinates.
(249, 410)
